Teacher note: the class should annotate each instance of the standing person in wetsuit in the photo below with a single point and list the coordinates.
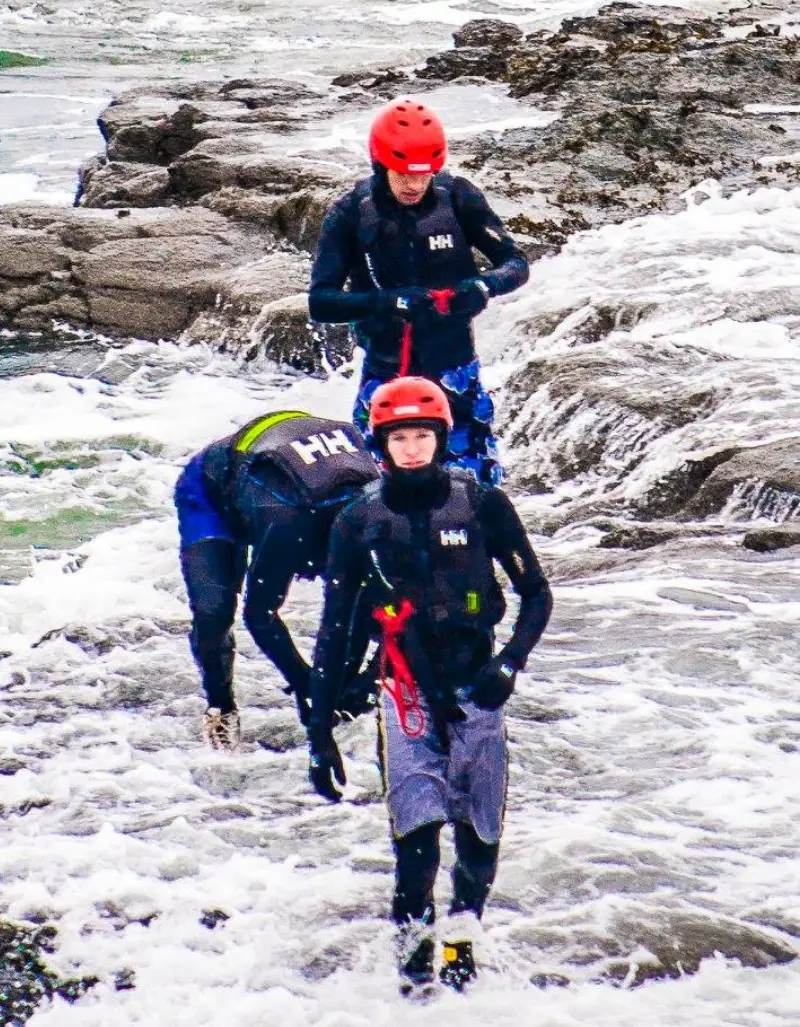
(274, 487)
(421, 543)
(409, 229)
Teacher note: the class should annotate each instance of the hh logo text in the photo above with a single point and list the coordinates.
(323, 445)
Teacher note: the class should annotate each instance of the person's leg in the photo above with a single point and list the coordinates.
(213, 570)
(472, 445)
(212, 562)
(414, 775)
(474, 871)
(477, 778)
(416, 864)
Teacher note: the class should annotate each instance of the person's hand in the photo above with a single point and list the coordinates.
(494, 683)
(470, 297)
(360, 694)
(325, 764)
(412, 304)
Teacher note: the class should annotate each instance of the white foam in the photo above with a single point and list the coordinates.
(24, 188)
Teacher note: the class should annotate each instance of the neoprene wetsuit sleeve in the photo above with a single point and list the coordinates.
(507, 542)
(486, 232)
(344, 579)
(337, 252)
(275, 562)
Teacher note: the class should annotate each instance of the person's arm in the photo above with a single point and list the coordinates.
(486, 232)
(276, 560)
(337, 252)
(344, 578)
(508, 543)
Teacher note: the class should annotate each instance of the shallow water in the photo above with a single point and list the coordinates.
(655, 733)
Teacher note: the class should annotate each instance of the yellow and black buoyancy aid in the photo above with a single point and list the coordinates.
(320, 459)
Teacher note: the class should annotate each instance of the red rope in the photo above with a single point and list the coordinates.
(441, 300)
(403, 689)
(405, 351)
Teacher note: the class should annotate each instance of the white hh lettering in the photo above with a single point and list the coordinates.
(310, 450)
(454, 537)
(440, 242)
(337, 442)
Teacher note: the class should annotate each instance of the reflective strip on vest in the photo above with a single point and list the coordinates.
(265, 424)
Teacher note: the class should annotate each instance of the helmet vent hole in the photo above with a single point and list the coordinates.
(420, 107)
(403, 122)
(427, 399)
(437, 153)
(400, 156)
(402, 109)
(426, 122)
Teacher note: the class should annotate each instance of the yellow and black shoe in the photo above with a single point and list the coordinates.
(458, 968)
(417, 975)
(222, 730)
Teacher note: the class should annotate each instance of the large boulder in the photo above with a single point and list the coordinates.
(760, 480)
(146, 275)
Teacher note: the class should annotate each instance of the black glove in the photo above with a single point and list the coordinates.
(299, 688)
(494, 683)
(413, 304)
(326, 760)
(470, 297)
(360, 694)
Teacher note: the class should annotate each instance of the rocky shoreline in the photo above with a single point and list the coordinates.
(193, 193)
(195, 225)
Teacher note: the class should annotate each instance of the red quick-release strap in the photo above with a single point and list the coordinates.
(402, 689)
(441, 300)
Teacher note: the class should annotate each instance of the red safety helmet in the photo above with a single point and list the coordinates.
(404, 400)
(408, 137)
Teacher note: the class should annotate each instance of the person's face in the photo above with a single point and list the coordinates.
(410, 448)
(408, 189)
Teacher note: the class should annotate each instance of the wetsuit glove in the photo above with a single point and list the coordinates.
(360, 694)
(413, 304)
(325, 764)
(470, 297)
(494, 683)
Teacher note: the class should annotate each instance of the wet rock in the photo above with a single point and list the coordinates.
(622, 410)
(651, 101)
(670, 494)
(211, 918)
(147, 276)
(9, 766)
(475, 61)
(760, 480)
(118, 184)
(635, 537)
(124, 980)
(283, 332)
(769, 540)
(677, 947)
(545, 980)
(489, 32)
(297, 218)
(135, 134)
(25, 979)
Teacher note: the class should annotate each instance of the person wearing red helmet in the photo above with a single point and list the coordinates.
(386, 245)
(418, 549)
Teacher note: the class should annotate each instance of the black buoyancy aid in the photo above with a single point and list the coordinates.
(321, 459)
(442, 255)
(445, 571)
